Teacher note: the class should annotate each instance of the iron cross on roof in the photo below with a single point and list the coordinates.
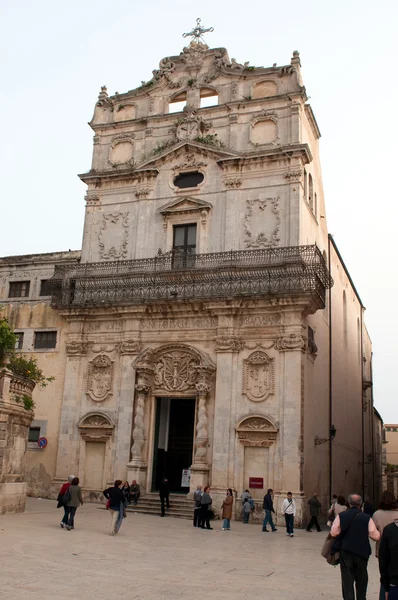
(197, 33)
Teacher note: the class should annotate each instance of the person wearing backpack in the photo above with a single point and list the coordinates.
(353, 528)
(63, 499)
(76, 499)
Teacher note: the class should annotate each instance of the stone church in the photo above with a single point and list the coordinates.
(208, 331)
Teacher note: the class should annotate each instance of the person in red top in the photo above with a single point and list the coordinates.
(62, 491)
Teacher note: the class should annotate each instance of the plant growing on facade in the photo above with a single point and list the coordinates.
(7, 340)
(27, 402)
(162, 146)
(210, 139)
(28, 368)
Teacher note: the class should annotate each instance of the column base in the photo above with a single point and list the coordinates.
(137, 472)
(199, 476)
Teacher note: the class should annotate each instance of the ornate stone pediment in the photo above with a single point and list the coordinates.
(96, 427)
(256, 430)
(186, 148)
(258, 376)
(100, 378)
(184, 205)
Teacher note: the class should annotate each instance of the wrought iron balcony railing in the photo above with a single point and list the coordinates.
(176, 276)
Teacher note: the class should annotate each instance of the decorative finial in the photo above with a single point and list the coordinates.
(197, 33)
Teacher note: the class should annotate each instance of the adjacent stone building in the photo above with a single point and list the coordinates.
(199, 329)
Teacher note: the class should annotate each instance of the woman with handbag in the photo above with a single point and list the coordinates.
(227, 510)
(205, 504)
(116, 502)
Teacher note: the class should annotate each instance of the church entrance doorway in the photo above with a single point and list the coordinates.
(173, 444)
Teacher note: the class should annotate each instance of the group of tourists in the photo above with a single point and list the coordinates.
(131, 492)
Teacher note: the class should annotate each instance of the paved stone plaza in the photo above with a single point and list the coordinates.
(162, 559)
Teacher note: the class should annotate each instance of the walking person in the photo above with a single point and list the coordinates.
(227, 510)
(197, 496)
(61, 500)
(164, 493)
(247, 508)
(338, 505)
(289, 511)
(386, 513)
(268, 506)
(76, 499)
(388, 560)
(315, 508)
(135, 492)
(205, 503)
(116, 504)
(353, 528)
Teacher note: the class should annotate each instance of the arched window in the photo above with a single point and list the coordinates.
(345, 321)
(208, 97)
(310, 192)
(178, 103)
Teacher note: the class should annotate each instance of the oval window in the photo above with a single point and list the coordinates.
(187, 180)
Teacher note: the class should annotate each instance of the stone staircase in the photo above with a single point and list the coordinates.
(180, 506)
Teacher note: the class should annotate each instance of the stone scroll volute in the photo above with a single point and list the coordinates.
(100, 378)
(258, 376)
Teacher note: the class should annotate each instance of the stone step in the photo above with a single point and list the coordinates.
(180, 506)
(150, 511)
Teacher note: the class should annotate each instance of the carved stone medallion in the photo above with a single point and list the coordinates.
(262, 222)
(176, 372)
(258, 376)
(114, 228)
(100, 378)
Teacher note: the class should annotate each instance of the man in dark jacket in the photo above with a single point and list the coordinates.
(315, 507)
(354, 528)
(164, 495)
(388, 560)
(268, 506)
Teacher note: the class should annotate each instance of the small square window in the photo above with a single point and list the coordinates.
(19, 341)
(46, 287)
(34, 434)
(45, 340)
(19, 289)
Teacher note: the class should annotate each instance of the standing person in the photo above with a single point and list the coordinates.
(245, 496)
(268, 506)
(76, 499)
(164, 495)
(61, 500)
(247, 508)
(126, 491)
(227, 510)
(135, 492)
(367, 507)
(315, 507)
(117, 504)
(289, 510)
(386, 513)
(331, 511)
(205, 503)
(353, 527)
(388, 560)
(197, 496)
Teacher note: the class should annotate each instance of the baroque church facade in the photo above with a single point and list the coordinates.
(208, 324)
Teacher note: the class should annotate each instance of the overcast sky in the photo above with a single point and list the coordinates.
(56, 55)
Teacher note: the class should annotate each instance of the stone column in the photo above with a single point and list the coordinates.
(137, 467)
(200, 467)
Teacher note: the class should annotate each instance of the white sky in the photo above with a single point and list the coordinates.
(55, 56)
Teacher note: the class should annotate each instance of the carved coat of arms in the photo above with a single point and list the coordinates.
(100, 378)
(258, 376)
(176, 372)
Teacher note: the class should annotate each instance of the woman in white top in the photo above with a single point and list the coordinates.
(338, 507)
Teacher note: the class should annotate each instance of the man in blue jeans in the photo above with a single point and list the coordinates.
(268, 507)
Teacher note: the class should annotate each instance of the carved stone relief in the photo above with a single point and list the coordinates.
(142, 193)
(76, 348)
(123, 155)
(129, 347)
(256, 430)
(262, 222)
(290, 342)
(114, 226)
(189, 163)
(228, 344)
(194, 55)
(95, 427)
(100, 378)
(233, 182)
(176, 372)
(258, 376)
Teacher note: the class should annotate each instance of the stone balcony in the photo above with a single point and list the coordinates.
(176, 276)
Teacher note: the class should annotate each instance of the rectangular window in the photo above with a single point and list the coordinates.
(312, 347)
(19, 341)
(45, 340)
(184, 245)
(34, 434)
(19, 289)
(46, 287)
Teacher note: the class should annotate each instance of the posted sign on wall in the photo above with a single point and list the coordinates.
(256, 483)
(186, 478)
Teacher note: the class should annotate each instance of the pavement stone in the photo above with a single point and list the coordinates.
(159, 559)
